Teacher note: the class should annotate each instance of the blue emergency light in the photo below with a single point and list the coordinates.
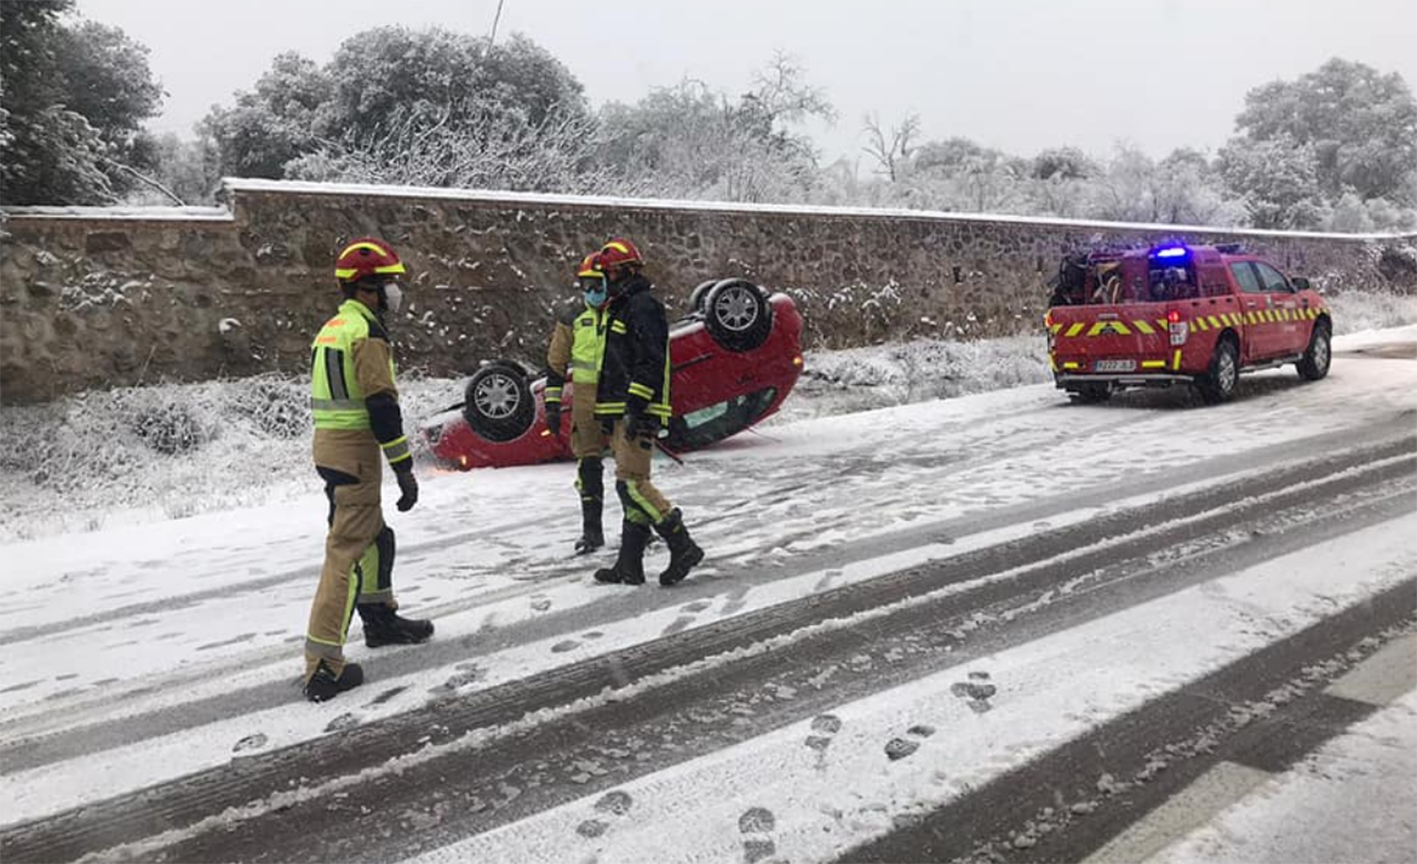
(1171, 252)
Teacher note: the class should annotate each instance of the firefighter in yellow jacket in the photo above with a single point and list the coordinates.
(577, 343)
(358, 426)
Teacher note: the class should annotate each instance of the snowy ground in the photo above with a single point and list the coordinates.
(126, 614)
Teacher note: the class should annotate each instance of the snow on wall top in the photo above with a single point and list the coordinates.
(298, 187)
(294, 187)
(208, 214)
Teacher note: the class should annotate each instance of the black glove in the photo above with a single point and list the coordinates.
(408, 488)
(553, 418)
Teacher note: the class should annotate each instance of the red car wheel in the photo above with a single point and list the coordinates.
(737, 314)
(498, 403)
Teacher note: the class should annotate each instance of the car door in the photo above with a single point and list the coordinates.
(1257, 308)
(1288, 337)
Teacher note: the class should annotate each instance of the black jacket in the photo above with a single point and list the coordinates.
(634, 371)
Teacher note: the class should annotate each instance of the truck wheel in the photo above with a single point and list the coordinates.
(737, 314)
(1218, 383)
(498, 403)
(1315, 362)
(1090, 394)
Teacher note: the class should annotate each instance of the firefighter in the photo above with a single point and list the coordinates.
(632, 402)
(356, 410)
(577, 342)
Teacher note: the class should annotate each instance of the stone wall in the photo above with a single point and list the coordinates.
(99, 298)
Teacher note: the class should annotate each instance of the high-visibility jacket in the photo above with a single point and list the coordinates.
(634, 365)
(352, 386)
(577, 344)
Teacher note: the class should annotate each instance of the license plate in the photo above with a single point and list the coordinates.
(1114, 366)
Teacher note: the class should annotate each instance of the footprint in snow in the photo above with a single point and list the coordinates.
(899, 748)
(250, 742)
(824, 728)
(691, 614)
(342, 722)
(756, 825)
(616, 803)
(977, 691)
(387, 695)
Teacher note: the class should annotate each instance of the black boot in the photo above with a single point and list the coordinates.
(324, 685)
(384, 626)
(629, 568)
(684, 553)
(592, 535)
(592, 488)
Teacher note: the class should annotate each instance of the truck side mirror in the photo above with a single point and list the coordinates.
(1300, 283)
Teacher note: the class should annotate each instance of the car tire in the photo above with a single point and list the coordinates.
(1319, 355)
(1090, 394)
(696, 297)
(737, 314)
(498, 404)
(1218, 383)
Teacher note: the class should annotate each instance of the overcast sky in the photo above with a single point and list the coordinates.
(1016, 74)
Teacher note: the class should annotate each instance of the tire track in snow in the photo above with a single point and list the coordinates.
(1028, 593)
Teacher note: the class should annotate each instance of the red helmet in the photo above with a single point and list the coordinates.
(620, 253)
(590, 267)
(367, 256)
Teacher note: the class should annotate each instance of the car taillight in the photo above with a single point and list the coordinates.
(1048, 319)
(1180, 330)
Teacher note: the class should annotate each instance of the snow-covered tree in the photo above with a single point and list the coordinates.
(1361, 125)
(501, 149)
(1277, 179)
(108, 82)
(693, 142)
(274, 123)
(74, 98)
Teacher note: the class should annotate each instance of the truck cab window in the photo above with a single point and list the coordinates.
(1245, 275)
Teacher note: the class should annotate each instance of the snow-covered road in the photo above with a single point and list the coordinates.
(138, 655)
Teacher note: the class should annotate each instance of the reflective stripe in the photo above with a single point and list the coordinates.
(1176, 363)
(1143, 327)
(551, 394)
(397, 450)
(583, 364)
(633, 488)
(618, 327)
(1075, 329)
(641, 390)
(326, 650)
(1115, 326)
(1199, 324)
(377, 596)
(1213, 322)
(337, 405)
(610, 407)
(334, 374)
(1153, 364)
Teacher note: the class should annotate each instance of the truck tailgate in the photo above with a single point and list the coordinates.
(1103, 339)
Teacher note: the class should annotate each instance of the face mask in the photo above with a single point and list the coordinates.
(595, 299)
(393, 298)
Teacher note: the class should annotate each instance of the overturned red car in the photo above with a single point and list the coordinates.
(733, 361)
